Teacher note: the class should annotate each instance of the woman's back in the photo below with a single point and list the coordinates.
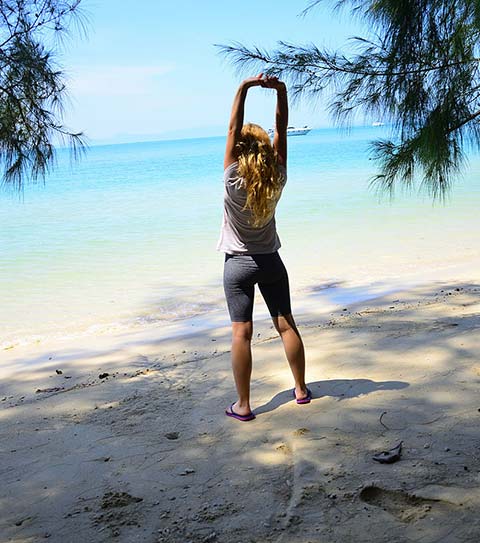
(239, 233)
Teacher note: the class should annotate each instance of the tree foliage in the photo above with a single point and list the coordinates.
(32, 86)
(418, 71)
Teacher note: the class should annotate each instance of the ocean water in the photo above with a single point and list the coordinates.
(127, 236)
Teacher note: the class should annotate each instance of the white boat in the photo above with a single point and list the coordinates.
(292, 131)
(378, 123)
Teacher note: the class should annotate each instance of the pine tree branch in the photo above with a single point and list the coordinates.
(326, 63)
(469, 119)
(421, 74)
(32, 90)
(37, 24)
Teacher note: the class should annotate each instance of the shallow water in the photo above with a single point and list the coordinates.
(127, 237)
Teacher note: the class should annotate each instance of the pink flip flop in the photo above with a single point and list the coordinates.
(307, 399)
(243, 418)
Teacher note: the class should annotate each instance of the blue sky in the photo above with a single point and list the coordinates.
(149, 69)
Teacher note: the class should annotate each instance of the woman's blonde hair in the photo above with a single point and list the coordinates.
(258, 166)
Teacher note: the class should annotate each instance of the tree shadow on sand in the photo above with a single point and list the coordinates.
(147, 452)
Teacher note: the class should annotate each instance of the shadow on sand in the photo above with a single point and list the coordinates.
(336, 388)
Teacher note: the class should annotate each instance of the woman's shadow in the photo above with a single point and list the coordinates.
(342, 389)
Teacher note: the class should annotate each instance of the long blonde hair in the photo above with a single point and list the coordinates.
(258, 166)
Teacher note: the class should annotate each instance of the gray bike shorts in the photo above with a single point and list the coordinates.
(240, 275)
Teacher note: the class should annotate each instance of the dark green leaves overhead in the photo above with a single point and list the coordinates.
(32, 87)
(417, 70)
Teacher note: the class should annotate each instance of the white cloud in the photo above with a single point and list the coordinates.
(101, 81)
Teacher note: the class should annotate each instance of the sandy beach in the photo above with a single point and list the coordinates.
(123, 438)
(132, 165)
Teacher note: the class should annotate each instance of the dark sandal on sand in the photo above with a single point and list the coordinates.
(243, 418)
(307, 399)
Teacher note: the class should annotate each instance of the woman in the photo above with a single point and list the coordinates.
(255, 174)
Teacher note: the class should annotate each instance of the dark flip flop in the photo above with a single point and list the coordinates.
(243, 418)
(307, 399)
(390, 456)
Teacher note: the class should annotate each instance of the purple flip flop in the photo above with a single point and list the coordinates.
(307, 399)
(243, 418)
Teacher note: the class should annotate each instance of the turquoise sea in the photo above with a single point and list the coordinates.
(127, 236)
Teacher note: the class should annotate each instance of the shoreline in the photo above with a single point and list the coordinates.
(317, 297)
(145, 453)
(113, 277)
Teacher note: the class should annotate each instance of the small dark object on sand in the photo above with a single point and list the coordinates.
(103, 375)
(58, 372)
(53, 389)
(390, 456)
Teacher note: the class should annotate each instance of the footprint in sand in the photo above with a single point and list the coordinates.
(403, 506)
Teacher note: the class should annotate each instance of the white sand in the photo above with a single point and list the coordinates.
(146, 454)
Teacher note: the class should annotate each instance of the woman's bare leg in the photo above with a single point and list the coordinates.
(294, 350)
(242, 364)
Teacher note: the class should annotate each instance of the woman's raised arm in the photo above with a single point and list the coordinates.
(236, 118)
(281, 118)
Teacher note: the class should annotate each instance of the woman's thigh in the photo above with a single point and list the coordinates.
(275, 288)
(240, 274)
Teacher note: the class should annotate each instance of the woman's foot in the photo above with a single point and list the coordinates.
(302, 394)
(240, 412)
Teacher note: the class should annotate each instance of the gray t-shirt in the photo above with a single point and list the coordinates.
(238, 236)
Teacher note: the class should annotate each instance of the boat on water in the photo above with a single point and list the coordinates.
(292, 131)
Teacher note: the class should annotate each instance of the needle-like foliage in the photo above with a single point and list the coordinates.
(32, 86)
(418, 72)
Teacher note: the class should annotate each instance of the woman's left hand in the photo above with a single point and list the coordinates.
(272, 82)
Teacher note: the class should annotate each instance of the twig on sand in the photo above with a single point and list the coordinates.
(380, 420)
(431, 421)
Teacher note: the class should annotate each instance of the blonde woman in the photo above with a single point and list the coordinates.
(254, 177)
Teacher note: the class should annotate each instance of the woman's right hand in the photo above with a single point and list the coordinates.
(255, 81)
